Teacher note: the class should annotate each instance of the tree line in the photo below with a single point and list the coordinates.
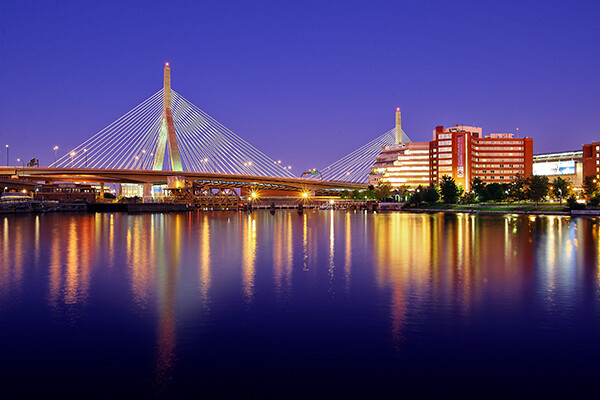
(534, 188)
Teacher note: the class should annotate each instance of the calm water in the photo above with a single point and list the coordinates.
(323, 304)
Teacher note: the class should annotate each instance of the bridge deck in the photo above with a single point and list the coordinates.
(160, 177)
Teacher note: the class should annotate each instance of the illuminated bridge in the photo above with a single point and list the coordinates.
(168, 140)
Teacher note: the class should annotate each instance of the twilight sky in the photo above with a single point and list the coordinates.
(305, 82)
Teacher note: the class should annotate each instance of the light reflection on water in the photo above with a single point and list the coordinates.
(204, 276)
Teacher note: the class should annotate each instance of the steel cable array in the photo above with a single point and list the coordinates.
(205, 145)
(356, 166)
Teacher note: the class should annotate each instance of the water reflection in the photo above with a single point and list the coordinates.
(189, 270)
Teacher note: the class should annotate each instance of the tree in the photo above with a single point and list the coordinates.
(449, 190)
(417, 196)
(495, 191)
(478, 188)
(344, 194)
(517, 188)
(402, 191)
(561, 188)
(430, 194)
(383, 191)
(538, 188)
(590, 186)
(355, 194)
(468, 198)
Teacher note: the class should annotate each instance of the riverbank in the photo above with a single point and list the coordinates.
(32, 206)
(516, 208)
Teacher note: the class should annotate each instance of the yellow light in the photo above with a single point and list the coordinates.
(331, 201)
(24, 191)
(72, 154)
(304, 194)
(253, 195)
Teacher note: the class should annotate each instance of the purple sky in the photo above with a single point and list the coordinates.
(306, 82)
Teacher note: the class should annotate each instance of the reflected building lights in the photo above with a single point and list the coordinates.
(205, 260)
(331, 269)
(249, 258)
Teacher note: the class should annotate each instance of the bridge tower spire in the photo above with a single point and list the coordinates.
(398, 126)
(167, 131)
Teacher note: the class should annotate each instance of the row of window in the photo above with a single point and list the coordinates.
(498, 148)
(507, 160)
(518, 171)
(518, 142)
(498, 154)
(497, 166)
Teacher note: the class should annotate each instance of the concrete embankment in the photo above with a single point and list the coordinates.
(39, 206)
(137, 207)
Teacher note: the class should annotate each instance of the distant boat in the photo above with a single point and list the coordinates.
(15, 197)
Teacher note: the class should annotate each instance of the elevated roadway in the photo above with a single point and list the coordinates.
(49, 174)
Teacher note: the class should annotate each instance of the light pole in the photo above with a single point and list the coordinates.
(19, 160)
(7, 155)
(72, 155)
(55, 148)
(85, 153)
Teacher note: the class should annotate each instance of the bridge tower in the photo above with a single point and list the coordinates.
(167, 131)
(398, 126)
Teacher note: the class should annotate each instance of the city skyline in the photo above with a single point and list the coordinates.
(285, 76)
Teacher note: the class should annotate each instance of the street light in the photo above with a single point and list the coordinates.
(7, 155)
(85, 153)
(72, 155)
(55, 148)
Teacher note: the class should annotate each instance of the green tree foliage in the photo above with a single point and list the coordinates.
(383, 191)
(344, 194)
(430, 194)
(468, 198)
(590, 186)
(538, 188)
(495, 191)
(478, 188)
(517, 188)
(449, 190)
(355, 195)
(561, 188)
(417, 196)
(402, 191)
(573, 204)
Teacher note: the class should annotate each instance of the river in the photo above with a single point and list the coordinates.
(322, 304)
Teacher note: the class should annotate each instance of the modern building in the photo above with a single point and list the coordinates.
(567, 165)
(591, 160)
(461, 152)
(404, 163)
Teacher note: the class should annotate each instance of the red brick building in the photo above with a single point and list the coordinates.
(463, 153)
(591, 160)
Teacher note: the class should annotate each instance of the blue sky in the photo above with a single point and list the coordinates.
(306, 82)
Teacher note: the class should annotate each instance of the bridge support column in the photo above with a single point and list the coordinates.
(148, 193)
(101, 191)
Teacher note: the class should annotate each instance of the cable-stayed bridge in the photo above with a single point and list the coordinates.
(355, 166)
(167, 123)
(166, 135)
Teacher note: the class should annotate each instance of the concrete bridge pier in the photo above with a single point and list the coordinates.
(148, 193)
